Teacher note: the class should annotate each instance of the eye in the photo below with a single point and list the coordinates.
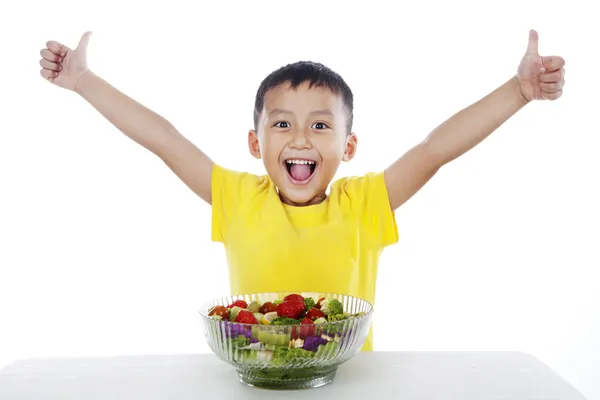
(282, 124)
(320, 125)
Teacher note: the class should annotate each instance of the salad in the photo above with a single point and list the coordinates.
(283, 330)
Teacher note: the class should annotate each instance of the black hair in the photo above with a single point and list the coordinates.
(316, 74)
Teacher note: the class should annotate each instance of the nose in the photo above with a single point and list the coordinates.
(300, 140)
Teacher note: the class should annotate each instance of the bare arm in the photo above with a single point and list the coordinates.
(538, 78)
(451, 139)
(151, 131)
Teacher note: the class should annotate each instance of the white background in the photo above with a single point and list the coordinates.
(104, 252)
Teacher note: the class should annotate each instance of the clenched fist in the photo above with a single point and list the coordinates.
(62, 66)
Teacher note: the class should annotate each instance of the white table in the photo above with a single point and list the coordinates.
(377, 375)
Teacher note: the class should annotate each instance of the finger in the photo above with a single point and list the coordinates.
(84, 41)
(553, 63)
(50, 56)
(552, 96)
(52, 66)
(57, 48)
(552, 76)
(553, 87)
(532, 46)
(46, 73)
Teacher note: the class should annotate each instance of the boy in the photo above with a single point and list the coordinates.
(281, 231)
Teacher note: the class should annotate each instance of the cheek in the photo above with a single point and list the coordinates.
(332, 149)
(270, 148)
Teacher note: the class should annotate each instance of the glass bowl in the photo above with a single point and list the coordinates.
(287, 356)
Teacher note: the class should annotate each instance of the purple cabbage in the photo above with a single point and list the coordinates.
(233, 330)
(312, 343)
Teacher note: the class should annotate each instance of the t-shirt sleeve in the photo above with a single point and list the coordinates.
(230, 190)
(369, 199)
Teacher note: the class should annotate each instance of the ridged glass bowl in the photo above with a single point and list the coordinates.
(287, 356)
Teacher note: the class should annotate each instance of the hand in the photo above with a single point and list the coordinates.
(62, 66)
(540, 78)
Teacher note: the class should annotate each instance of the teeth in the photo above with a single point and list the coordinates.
(300, 162)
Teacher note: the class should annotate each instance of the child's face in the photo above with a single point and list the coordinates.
(302, 139)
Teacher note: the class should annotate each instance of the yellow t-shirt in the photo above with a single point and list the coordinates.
(333, 246)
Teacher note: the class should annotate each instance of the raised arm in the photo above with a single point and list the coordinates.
(538, 78)
(68, 69)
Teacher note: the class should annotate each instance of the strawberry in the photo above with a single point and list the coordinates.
(238, 303)
(307, 328)
(294, 297)
(267, 307)
(318, 305)
(314, 313)
(290, 309)
(219, 310)
(245, 317)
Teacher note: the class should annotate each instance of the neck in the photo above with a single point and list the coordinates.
(318, 199)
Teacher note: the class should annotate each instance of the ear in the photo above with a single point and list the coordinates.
(350, 150)
(253, 144)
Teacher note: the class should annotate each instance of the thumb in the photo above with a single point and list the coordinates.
(83, 42)
(532, 46)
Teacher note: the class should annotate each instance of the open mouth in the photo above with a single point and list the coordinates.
(300, 170)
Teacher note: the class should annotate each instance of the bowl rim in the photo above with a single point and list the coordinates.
(206, 317)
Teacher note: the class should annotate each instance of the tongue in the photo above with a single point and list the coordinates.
(300, 172)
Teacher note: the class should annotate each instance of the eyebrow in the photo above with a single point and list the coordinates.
(316, 112)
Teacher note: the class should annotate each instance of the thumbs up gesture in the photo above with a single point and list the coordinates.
(541, 78)
(62, 66)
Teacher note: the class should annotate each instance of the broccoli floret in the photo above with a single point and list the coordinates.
(283, 353)
(334, 306)
(285, 321)
(335, 317)
(279, 355)
(280, 352)
(299, 353)
(241, 341)
(309, 302)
